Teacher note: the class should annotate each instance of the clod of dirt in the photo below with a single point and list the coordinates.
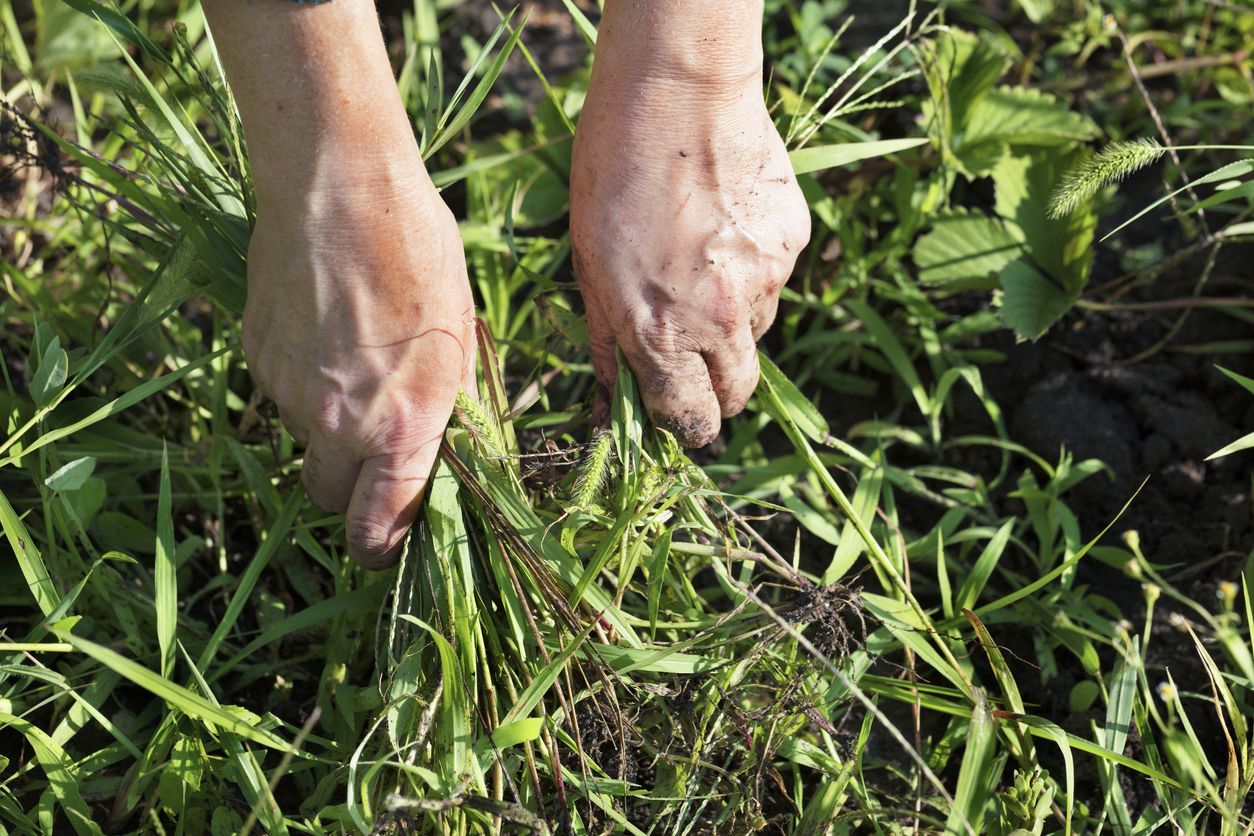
(1158, 418)
(1068, 411)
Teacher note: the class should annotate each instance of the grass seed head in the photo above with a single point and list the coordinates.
(1111, 165)
(593, 472)
(476, 421)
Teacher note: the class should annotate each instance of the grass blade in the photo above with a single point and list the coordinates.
(276, 535)
(165, 577)
(976, 777)
(810, 160)
(57, 766)
(28, 559)
(189, 703)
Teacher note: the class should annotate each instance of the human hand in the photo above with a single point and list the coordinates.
(686, 221)
(359, 325)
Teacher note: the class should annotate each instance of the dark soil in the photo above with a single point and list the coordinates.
(1155, 421)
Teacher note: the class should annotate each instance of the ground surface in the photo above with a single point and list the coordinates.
(722, 722)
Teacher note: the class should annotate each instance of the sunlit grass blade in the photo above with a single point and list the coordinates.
(820, 158)
(177, 696)
(165, 577)
(976, 776)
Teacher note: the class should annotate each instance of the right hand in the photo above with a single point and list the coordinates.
(360, 326)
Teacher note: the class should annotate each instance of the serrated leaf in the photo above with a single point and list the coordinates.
(960, 69)
(1021, 116)
(964, 251)
(1061, 248)
(980, 158)
(1031, 302)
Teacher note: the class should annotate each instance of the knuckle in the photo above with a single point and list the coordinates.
(329, 416)
(798, 231)
(663, 336)
(405, 429)
(772, 284)
(725, 312)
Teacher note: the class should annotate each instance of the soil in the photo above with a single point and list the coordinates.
(1156, 419)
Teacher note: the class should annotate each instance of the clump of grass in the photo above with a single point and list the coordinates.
(1111, 165)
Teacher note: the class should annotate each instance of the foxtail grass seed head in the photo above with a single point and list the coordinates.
(1111, 165)
(475, 419)
(593, 471)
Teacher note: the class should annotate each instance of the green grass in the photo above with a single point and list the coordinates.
(813, 628)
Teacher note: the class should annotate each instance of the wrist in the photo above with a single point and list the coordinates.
(348, 188)
(709, 46)
(331, 156)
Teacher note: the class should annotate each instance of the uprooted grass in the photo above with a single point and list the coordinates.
(588, 631)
